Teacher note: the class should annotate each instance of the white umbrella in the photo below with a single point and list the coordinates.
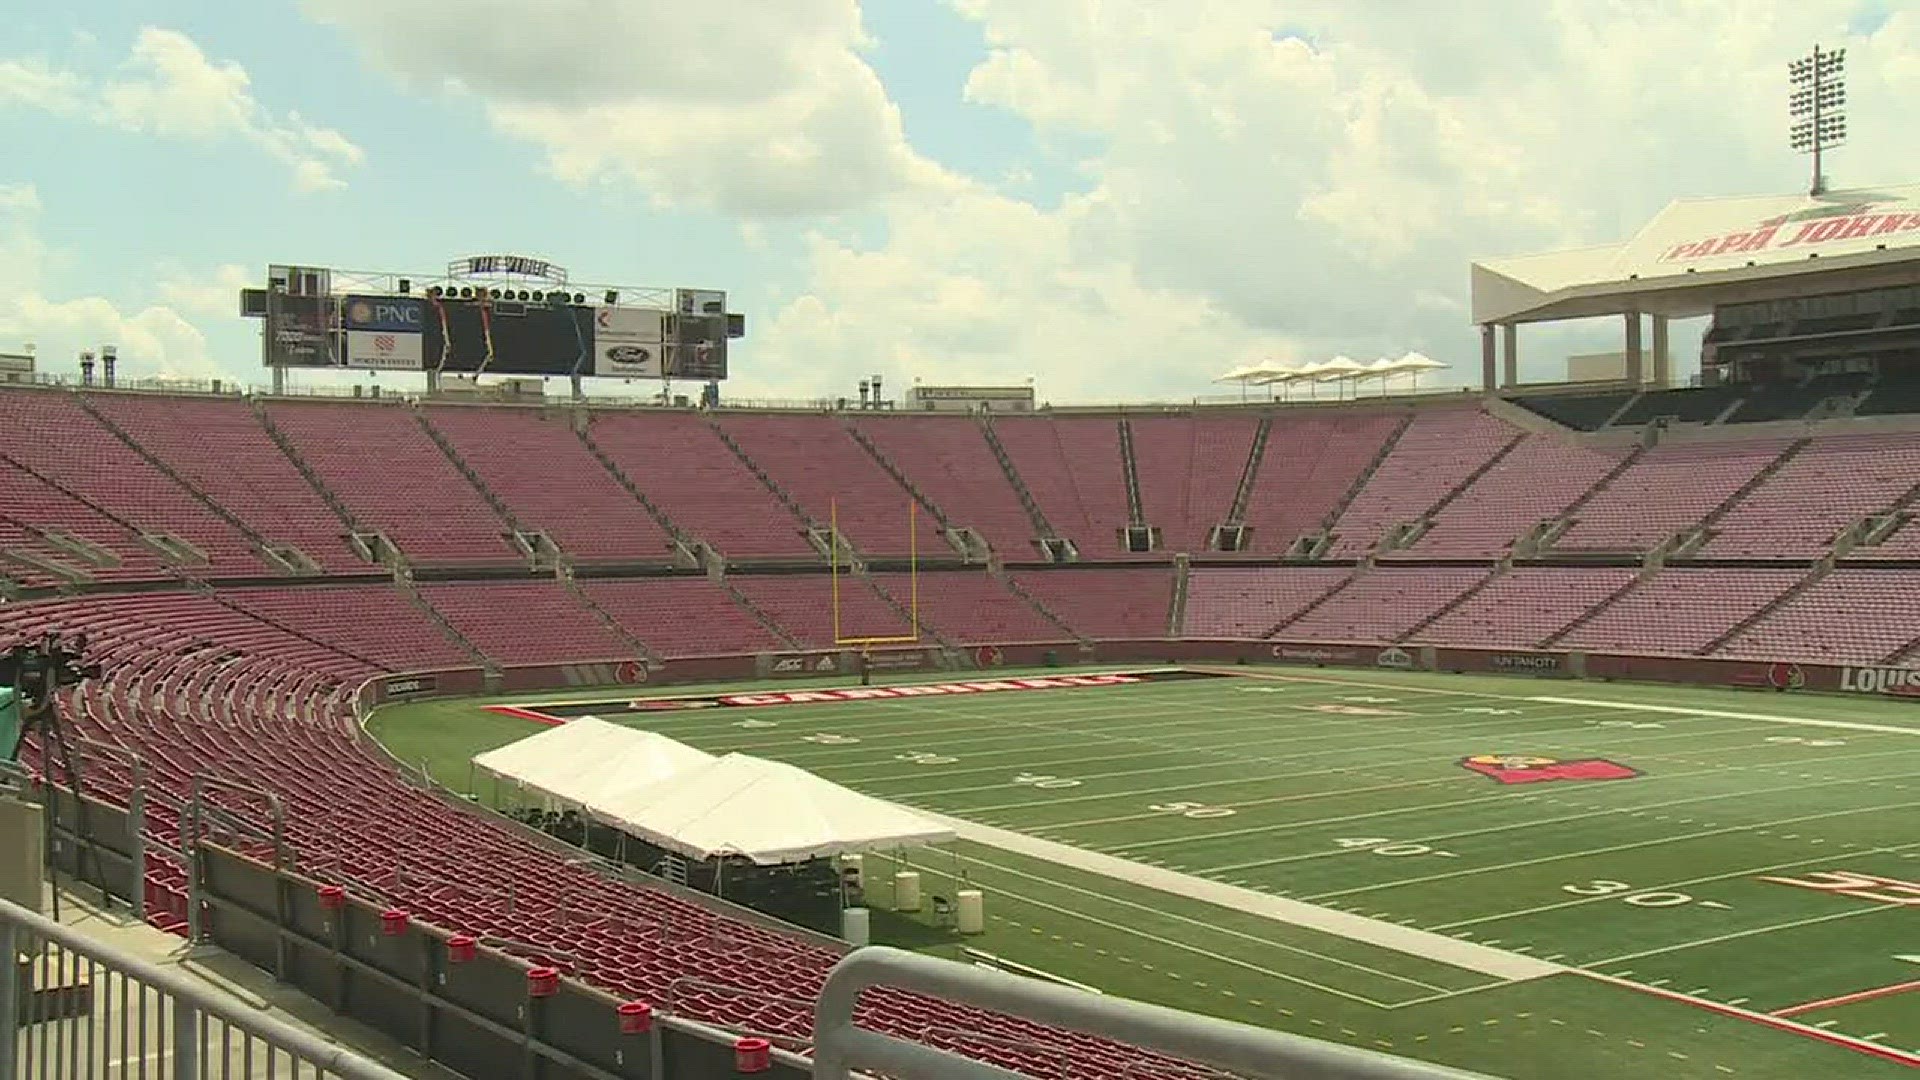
(1414, 363)
(1340, 369)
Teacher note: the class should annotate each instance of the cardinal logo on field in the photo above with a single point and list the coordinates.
(1531, 769)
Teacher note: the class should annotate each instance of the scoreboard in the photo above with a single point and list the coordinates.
(499, 314)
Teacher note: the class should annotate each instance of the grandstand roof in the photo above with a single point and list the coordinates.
(1698, 253)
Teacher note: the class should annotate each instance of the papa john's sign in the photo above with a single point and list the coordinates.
(1862, 218)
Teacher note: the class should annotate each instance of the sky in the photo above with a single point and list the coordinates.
(1118, 199)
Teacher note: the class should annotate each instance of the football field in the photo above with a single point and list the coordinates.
(1531, 878)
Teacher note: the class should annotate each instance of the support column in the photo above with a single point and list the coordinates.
(1489, 370)
(1662, 361)
(1510, 344)
(1636, 373)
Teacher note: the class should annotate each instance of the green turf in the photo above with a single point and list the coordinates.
(1345, 790)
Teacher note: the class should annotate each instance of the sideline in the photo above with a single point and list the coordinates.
(1482, 959)
(1723, 714)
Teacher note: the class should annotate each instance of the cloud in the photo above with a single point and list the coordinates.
(155, 340)
(697, 106)
(168, 88)
(1314, 178)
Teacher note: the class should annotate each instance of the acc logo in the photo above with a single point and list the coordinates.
(989, 656)
(631, 671)
(1786, 676)
(1530, 769)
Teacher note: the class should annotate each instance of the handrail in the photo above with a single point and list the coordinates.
(188, 1001)
(840, 1046)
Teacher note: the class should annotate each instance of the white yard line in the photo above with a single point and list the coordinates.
(1723, 714)
(1848, 914)
(1214, 956)
(1497, 963)
(1684, 838)
(1894, 849)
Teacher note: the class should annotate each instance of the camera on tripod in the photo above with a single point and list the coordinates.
(35, 670)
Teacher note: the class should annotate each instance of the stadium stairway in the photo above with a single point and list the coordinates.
(1177, 607)
(817, 533)
(1565, 518)
(1130, 472)
(1587, 616)
(473, 477)
(1813, 577)
(963, 541)
(760, 616)
(1704, 530)
(1013, 586)
(447, 630)
(690, 550)
(1316, 603)
(614, 626)
(1249, 476)
(1042, 529)
(1499, 572)
(320, 488)
(281, 558)
(1367, 474)
(907, 614)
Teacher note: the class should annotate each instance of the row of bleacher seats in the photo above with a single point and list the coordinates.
(275, 714)
(97, 504)
(113, 487)
(1853, 613)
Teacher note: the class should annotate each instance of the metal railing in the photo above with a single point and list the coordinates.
(840, 1046)
(72, 1007)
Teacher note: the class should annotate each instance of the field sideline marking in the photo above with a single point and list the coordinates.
(1903, 1057)
(1722, 714)
(1195, 949)
(1854, 998)
(1427, 946)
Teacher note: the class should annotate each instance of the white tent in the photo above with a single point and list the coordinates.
(767, 811)
(575, 762)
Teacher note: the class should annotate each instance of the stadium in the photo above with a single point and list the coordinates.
(1526, 731)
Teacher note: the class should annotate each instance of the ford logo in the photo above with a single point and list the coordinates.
(629, 354)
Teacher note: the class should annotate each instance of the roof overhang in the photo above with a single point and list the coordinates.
(1698, 254)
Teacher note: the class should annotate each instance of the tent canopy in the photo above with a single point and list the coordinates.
(575, 762)
(690, 802)
(767, 811)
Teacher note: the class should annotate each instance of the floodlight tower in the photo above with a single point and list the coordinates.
(1816, 103)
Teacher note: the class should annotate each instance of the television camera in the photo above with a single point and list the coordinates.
(31, 674)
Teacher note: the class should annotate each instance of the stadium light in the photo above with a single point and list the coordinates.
(1818, 94)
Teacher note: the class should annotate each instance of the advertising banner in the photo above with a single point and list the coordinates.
(397, 314)
(383, 350)
(299, 330)
(627, 342)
